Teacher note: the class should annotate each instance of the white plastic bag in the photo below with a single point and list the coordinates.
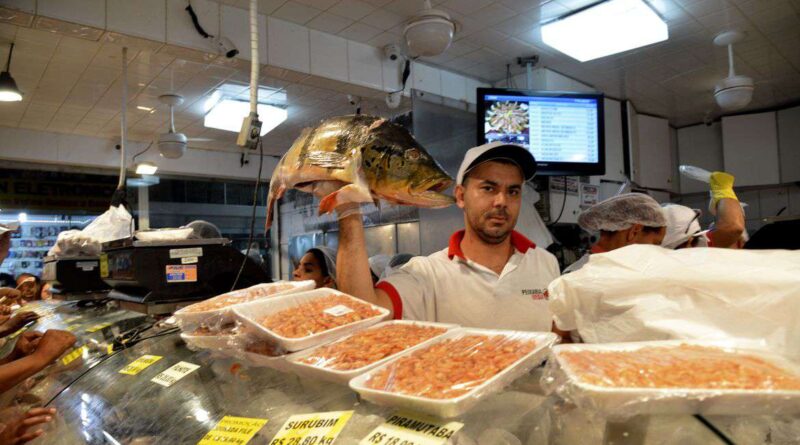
(113, 224)
(641, 293)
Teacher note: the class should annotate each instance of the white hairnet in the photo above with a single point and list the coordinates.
(330, 259)
(682, 224)
(378, 263)
(621, 212)
(395, 263)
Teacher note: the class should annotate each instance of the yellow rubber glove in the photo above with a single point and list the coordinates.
(721, 188)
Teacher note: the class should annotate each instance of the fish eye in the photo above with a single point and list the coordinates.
(412, 154)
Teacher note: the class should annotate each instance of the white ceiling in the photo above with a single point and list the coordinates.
(674, 79)
(73, 84)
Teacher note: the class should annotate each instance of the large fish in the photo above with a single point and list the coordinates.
(359, 159)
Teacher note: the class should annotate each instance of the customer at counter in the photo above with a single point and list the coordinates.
(490, 276)
(6, 293)
(317, 264)
(622, 220)
(683, 227)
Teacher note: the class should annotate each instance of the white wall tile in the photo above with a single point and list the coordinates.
(142, 18)
(700, 146)
(472, 86)
(288, 45)
(772, 200)
(21, 5)
(236, 26)
(181, 31)
(328, 55)
(454, 85)
(85, 12)
(365, 65)
(426, 78)
(750, 148)
(789, 144)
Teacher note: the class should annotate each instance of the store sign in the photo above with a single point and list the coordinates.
(42, 190)
(174, 373)
(181, 273)
(233, 431)
(407, 429)
(73, 355)
(139, 364)
(312, 429)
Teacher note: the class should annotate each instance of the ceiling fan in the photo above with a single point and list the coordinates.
(172, 144)
(735, 91)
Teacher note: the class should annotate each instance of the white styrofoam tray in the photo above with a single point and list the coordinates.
(456, 406)
(225, 314)
(340, 376)
(251, 314)
(627, 402)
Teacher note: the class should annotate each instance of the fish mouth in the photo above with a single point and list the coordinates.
(440, 186)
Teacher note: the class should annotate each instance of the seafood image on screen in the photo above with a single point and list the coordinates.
(451, 367)
(684, 366)
(508, 117)
(318, 315)
(359, 159)
(369, 346)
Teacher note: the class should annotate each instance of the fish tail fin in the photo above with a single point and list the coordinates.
(276, 191)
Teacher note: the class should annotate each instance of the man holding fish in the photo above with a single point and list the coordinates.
(490, 276)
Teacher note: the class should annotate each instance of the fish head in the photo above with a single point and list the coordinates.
(400, 170)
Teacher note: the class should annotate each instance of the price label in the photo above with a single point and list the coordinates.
(73, 355)
(233, 431)
(71, 320)
(174, 373)
(71, 328)
(312, 429)
(338, 310)
(98, 327)
(103, 265)
(406, 429)
(139, 364)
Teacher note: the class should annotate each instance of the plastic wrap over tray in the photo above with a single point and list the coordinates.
(217, 311)
(647, 293)
(458, 369)
(363, 350)
(307, 319)
(218, 338)
(621, 380)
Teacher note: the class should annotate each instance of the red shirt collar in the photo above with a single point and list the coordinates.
(518, 240)
(597, 249)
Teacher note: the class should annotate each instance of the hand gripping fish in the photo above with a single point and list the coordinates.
(359, 159)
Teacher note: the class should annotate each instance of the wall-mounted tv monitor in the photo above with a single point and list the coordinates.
(564, 131)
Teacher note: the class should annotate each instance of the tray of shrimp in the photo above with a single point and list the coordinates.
(715, 377)
(363, 350)
(450, 374)
(307, 319)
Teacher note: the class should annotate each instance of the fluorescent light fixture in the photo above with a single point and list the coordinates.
(607, 28)
(144, 108)
(228, 114)
(146, 168)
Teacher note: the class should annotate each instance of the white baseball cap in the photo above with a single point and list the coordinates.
(9, 227)
(497, 150)
(682, 225)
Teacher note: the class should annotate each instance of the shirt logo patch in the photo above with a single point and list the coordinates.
(536, 294)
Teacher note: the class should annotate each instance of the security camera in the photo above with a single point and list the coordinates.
(225, 46)
(354, 100)
(393, 99)
(392, 51)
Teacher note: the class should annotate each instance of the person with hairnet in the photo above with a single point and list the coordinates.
(727, 231)
(622, 220)
(317, 264)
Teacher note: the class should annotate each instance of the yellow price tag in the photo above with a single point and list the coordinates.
(139, 364)
(110, 349)
(410, 429)
(73, 355)
(233, 430)
(98, 327)
(71, 328)
(71, 320)
(312, 429)
(104, 265)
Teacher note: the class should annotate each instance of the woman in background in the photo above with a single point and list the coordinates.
(317, 264)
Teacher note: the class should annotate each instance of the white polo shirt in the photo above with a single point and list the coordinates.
(449, 288)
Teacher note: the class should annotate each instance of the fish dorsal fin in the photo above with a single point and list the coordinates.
(327, 159)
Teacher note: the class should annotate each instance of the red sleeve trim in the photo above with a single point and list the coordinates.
(397, 302)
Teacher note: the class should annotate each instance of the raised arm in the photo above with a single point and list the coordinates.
(352, 264)
(729, 222)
